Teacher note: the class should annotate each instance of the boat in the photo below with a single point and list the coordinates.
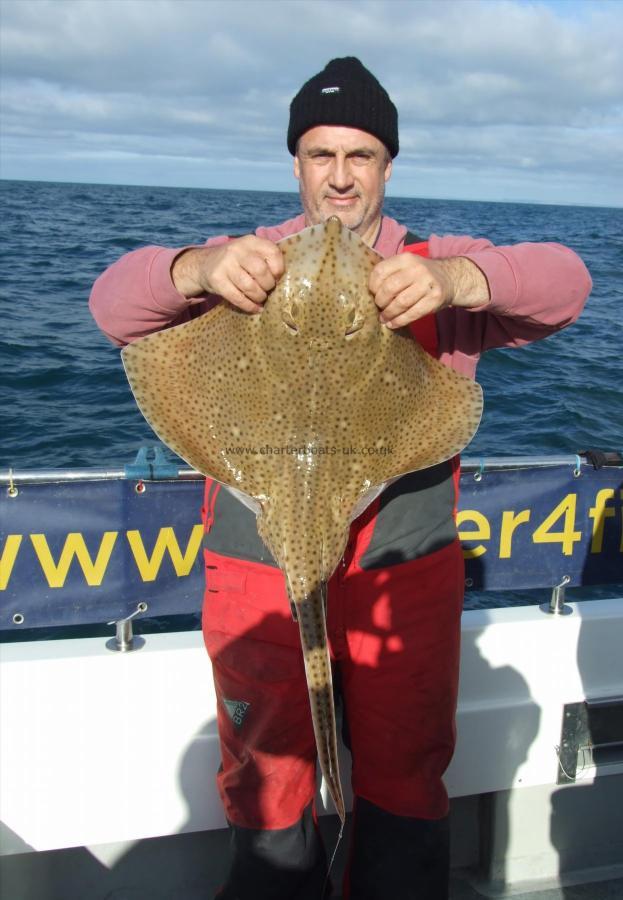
(108, 738)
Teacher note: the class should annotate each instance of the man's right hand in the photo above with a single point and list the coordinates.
(241, 271)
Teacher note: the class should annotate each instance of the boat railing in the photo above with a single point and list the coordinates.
(469, 464)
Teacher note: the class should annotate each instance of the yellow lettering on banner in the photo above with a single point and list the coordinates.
(599, 513)
(74, 545)
(149, 566)
(510, 521)
(7, 560)
(481, 533)
(568, 536)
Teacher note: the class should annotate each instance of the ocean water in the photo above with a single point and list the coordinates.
(65, 400)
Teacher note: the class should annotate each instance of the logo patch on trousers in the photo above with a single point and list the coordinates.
(237, 710)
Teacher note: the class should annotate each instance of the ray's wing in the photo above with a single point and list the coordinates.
(422, 414)
(197, 386)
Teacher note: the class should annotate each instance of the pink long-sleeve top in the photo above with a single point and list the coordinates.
(535, 290)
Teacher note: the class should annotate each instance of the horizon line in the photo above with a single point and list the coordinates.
(388, 196)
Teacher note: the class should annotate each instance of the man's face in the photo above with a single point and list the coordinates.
(342, 172)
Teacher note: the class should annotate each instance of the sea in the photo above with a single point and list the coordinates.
(64, 399)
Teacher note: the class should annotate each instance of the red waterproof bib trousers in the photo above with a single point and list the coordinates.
(394, 634)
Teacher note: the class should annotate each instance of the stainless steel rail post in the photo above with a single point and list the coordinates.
(124, 640)
(556, 605)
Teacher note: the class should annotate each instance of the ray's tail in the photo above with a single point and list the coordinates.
(310, 612)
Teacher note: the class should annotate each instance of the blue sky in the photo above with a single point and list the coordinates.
(498, 99)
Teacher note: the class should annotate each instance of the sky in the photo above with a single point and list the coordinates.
(497, 99)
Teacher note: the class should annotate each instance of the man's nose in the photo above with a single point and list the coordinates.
(341, 175)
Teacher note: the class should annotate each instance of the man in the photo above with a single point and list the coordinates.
(395, 602)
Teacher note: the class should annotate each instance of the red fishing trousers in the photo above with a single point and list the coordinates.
(395, 635)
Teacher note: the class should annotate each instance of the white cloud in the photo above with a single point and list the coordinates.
(502, 87)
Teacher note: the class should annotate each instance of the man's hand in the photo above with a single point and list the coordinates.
(242, 271)
(407, 287)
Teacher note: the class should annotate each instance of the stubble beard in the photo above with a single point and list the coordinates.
(358, 220)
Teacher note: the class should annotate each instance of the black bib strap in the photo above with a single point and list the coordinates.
(412, 238)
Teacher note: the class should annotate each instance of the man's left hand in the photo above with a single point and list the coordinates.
(407, 287)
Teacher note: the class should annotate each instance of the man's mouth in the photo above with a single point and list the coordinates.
(342, 201)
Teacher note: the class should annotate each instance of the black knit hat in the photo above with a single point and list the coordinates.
(344, 93)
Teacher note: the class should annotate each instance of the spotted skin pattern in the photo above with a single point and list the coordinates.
(308, 408)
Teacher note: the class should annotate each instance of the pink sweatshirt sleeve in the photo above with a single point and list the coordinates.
(536, 289)
(136, 296)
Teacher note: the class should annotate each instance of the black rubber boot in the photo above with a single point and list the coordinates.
(277, 864)
(397, 857)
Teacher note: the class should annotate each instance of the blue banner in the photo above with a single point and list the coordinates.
(76, 552)
(529, 527)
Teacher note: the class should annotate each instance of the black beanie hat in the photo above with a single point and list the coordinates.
(344, 93)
